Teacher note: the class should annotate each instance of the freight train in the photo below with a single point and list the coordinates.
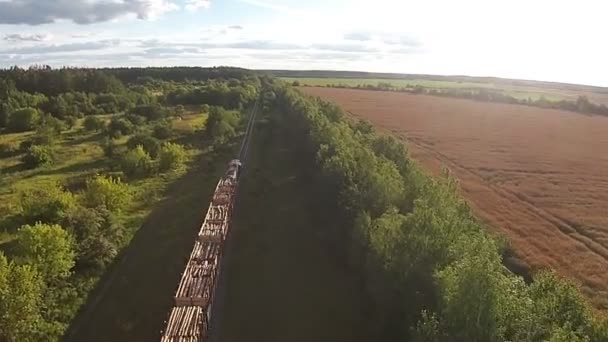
(191, 312)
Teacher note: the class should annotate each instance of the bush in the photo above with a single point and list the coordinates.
(47, 133)
(48, 204)
(151, 112)
(107, 191)
(48, 248)
(137, 163)
(109, 147)
(172, 156)
(149, 143)
(119, 127)
(136, 120)
(97, 234)
(9, 149)
(37, 156)
(23, 119)
(92, 123)
(162, 131)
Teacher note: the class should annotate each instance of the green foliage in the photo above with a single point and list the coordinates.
(137, 163)
(150, 144)
(151, 112)
(37, 156)
(48, 132)
(221, 124)
(48, 204)
(24, 119)
(48, 248)
(162, 130)
(92, 123)
(97, 234)
(107, 191)
(172, 156)
(118, 127)
(21, 289)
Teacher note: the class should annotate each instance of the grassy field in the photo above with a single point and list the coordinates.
(517, 91)
(282, 283)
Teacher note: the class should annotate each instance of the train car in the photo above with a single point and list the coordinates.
(191, 313)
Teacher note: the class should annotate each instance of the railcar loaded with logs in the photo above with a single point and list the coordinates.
(190, 316)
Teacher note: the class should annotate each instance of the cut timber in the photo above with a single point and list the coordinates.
(186, 324)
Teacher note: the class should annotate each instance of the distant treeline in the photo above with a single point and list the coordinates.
(456, 78)
(71, 93)
(431, 270)
(581, 105)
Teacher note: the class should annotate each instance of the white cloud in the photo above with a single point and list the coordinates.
(38, 12)
(193, 5)
(25, 37)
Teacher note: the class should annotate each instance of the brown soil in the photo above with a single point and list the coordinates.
(539, 176)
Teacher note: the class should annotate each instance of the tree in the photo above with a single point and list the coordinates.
(137, 163)
(150, 144)
(20, 301)
(37, 156)
(93, 123)
(46, 203)
(48, 248)
(97, 234)
(172, 156)
(162, 130)
(119, 126)
(24, 119)
(107, 191)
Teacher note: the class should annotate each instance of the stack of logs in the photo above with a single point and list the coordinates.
(190, 316)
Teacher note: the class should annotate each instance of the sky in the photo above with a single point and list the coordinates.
(562, 41)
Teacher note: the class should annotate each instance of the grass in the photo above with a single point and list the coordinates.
(282, 283)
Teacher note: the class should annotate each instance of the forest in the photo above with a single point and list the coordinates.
(431, 270)
(84, 156)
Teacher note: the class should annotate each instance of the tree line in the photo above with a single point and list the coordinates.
(431, 271)
(581, 105)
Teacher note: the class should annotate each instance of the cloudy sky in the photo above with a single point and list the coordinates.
(546, 40)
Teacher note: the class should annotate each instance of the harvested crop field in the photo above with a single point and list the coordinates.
(539, 176)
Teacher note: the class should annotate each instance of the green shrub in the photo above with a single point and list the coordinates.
(148, 142)
(109, 147)
(48, 248)
(119, 127)
(135, 119)
(97, 234)
(48, 132)
(137, 163)
(37, 156)
(23, 119)
(151, 112)
(107, 191)
(92, 123)
(47, 204)
(172, 156)
(162, 131)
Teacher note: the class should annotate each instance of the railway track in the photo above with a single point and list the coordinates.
(190, 318)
